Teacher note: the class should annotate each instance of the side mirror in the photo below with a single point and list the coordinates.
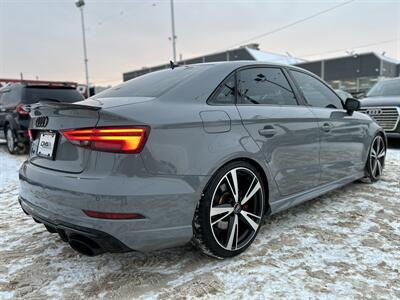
(351, 105)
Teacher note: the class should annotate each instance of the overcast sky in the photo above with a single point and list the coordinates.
(44, 38)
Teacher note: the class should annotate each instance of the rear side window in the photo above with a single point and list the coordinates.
(2, 97)
(225, 93)
(315, 92)
(36, 94)
(266, 86)
(12, 96)
(151, 85)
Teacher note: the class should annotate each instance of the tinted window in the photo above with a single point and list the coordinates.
(2, 97)
(12, 97)
(316, 93)
(36, 94)
(151, 85)
(225, 93)
(385, 88)
(265, 86)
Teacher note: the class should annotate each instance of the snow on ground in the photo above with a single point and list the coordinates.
(345, 244)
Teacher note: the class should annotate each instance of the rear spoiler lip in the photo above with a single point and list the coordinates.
(60, 105)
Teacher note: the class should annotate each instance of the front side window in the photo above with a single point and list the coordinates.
(265, 86)
(315, 92)
(225, 93)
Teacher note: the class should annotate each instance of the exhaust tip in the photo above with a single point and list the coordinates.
(84, 245)
(82, 248)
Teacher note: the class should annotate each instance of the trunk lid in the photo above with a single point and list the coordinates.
(53, 117)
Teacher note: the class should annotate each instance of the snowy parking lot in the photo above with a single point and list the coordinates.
(345, 244)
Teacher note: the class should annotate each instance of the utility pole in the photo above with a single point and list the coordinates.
(173, 38)
(80, 4)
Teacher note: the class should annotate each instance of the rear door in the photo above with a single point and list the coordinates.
(286, 132)
(342, 135)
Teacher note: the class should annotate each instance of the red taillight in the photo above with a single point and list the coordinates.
(115, 216)
(22, 110)
(113, 139)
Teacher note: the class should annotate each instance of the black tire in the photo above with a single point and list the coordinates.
(376, 159)
(14, 146)
(229, 233)
(11, 140)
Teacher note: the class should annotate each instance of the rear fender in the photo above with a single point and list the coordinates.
(10, 121)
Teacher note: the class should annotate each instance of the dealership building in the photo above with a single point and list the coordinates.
(248, 52)
(355, 73)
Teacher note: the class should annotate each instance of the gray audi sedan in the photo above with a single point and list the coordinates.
(198, 153)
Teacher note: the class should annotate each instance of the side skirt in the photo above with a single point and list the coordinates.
(301, 197)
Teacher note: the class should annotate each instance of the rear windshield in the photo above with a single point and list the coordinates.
(385, 88)
(36, 94)
(151, 85)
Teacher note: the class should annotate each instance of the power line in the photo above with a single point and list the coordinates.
(291, 24)
(347, 48)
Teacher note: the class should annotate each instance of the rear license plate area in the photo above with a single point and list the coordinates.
(47, 144)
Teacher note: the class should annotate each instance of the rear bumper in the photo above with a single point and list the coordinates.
(168, 204)
(69, 231)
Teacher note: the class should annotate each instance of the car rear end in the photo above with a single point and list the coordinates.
(86, 178)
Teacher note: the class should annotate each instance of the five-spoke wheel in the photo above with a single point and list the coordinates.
(376, 158)
(231, 211)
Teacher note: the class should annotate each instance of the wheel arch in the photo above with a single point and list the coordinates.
(382, 133)
(260, 170)
(378, 131)
(9, 121)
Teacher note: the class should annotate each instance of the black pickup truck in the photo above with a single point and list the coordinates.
(14, 119)
(383, 104)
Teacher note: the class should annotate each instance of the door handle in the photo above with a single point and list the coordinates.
(267, 131)
(327, 127)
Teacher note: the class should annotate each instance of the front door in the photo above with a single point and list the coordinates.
(342, 135)
(286, 132)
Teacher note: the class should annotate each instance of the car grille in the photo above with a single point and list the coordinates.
(386, 117)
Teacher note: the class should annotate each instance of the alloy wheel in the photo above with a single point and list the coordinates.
(377, 157)
(236, 209)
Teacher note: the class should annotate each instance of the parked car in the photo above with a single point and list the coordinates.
(383, 104)
(14, 118)
(199, 152)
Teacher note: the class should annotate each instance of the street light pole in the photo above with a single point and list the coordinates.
(80, 4)
(173, 38)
